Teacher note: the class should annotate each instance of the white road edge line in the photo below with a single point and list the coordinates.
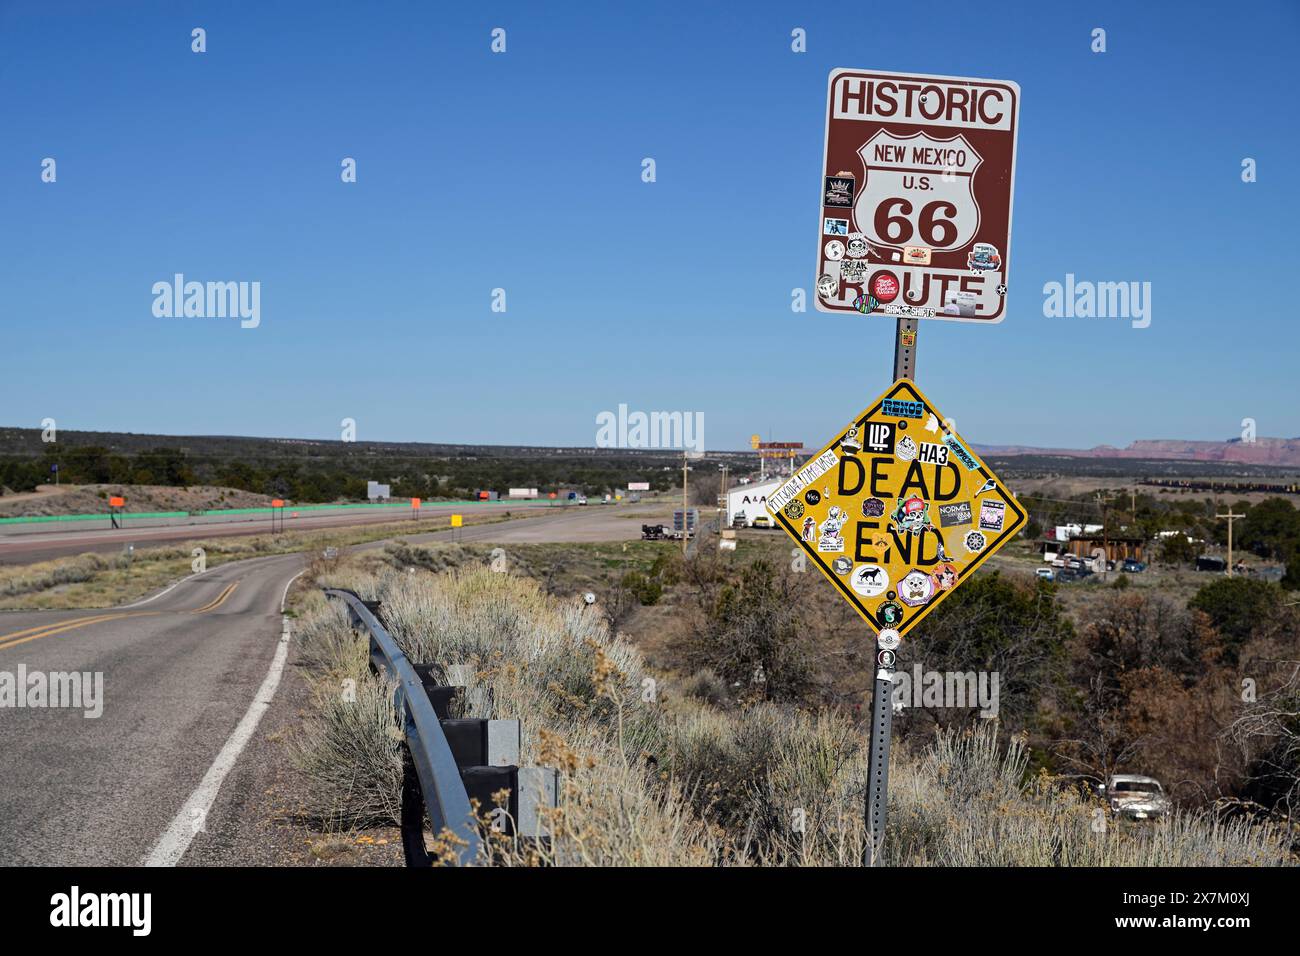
(187, 823)
(198, 574)
(174, 584)
(285, 596)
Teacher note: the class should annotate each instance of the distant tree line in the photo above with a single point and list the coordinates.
(331, 476)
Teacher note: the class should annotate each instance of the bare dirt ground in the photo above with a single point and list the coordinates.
(93, 499)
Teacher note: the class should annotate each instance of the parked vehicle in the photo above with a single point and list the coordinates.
(582, 499)
(655, 532)
(1047, 574)
(1134, 797)
(762, 521)
(1133, 566)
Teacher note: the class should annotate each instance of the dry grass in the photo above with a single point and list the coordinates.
(96, 580)
(652, 776)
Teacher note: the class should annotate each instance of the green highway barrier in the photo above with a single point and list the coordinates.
(266, 510)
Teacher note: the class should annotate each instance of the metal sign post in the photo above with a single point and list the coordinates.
(914, 222)
(896, 511)
(882, 710)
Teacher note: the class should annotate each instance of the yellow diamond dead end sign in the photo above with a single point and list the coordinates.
(897, 511)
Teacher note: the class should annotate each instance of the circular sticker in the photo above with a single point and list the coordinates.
(889, 638)
(890, 613)
(827, 285)
(916, 588)
(873, 508)
(905, 449)
(842, 565)
(975, 542)
(869, 580)
(945, 577)
(884, 286)
(885, 658)
(866, 303)
(834, 250)
(812, 496)
(794, 509)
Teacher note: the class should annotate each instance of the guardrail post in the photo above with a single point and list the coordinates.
(483, 753)
(537, 788)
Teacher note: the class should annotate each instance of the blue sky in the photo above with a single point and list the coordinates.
(522, 171)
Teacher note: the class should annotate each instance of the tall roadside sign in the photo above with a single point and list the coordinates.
(913, 222)
(916, 194)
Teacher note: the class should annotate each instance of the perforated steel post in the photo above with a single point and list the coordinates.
(882, 711)
(882, 716)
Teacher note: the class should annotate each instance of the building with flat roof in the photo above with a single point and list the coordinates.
(749, 501)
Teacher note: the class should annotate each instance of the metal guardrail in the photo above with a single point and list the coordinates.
(437, 772)
(448, 760)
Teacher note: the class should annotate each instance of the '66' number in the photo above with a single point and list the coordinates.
(896, 228)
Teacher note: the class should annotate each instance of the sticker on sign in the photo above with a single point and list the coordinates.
(805, 476)
(897, 522)
(924, 167)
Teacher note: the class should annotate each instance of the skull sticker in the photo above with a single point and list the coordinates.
(912, 515)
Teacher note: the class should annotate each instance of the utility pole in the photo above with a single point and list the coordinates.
(1103, 500)
(723, 500)
(1230, 516)
(686, 531)
(882, 704)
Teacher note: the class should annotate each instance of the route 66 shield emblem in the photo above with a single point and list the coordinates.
(918, 191)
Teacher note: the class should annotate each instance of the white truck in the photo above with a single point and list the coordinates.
(1134, 797)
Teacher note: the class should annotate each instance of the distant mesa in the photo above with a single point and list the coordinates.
(1278, 452)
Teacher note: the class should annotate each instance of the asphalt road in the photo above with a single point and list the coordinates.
(578, 524)
(179, 671)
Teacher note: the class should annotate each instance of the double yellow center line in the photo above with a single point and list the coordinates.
(15, 638)
(214, 604)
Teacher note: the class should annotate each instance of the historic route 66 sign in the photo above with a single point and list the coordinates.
(922, 167)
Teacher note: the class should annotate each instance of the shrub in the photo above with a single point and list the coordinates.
(646, 589)
(663, 780)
